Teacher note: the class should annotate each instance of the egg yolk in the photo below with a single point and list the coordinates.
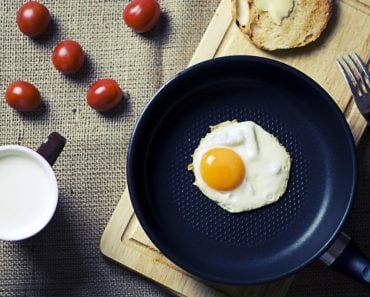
(222, 169)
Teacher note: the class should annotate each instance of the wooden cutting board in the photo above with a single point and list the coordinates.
(125, 242)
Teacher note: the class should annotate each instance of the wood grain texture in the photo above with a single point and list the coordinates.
(125, 242)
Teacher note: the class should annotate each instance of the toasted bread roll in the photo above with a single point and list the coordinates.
(303, 22)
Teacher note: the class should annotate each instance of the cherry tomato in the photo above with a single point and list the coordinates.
(33, 18)
(141, 15)
(68, 57)
(104, 94)
(22, 96)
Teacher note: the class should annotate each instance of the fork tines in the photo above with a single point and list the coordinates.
(356, 74)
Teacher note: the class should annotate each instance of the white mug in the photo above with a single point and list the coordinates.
(28, 187)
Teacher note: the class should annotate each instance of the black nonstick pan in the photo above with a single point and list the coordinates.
(264, 244)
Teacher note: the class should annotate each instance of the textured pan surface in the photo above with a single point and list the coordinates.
(259, 245)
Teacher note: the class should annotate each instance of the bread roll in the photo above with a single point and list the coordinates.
(302, 24)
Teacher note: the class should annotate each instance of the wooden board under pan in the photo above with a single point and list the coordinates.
(125, 242)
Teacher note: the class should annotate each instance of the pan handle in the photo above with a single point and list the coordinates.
(345, 257)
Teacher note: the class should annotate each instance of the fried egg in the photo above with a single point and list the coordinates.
(241, 166)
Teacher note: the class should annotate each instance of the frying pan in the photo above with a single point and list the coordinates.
(264, 244)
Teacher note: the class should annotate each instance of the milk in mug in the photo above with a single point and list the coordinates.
(28, 193)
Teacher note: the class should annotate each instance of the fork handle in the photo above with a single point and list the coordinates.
(349, 259)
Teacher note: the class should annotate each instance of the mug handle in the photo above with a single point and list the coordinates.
(51, 147)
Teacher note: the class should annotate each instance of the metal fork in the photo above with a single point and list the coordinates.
(357, 77)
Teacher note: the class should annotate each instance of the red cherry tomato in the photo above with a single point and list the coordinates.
(104, 94)
(22, 96)
(68, 57)
(33, 18)
(141, 15)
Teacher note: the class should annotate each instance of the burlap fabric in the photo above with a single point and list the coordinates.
(64, 259)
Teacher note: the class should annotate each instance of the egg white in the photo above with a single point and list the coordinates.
(266, 161)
